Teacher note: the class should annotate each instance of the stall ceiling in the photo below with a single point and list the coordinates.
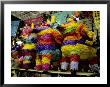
(24, 15)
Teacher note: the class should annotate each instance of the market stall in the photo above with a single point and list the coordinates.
(56, 44)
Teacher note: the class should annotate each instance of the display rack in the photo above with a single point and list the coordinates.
(62, 73)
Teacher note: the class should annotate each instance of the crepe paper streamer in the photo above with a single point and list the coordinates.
(47, 55)
(74, 65)
(29, 46)
(86, 51)
(45, 60)
(69, 30)
(38, 67)
(76, 34)
(81, 41)
(55, 53)
(45, 47)
(45, 39)
(42, 28)
(64, 65)
(65, 59)
(45, 36)
(82, 28)
(69, 52)
(75, 58)
(70, 25)
(71, 42)
(46, 31)
(45, 67)
(70, 48)
(56, 33)
(46, 52)
(82, 50)
(58, 39)
(45, 42)
(74, 37)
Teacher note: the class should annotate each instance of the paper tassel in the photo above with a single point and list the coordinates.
(64, 65)
(74, 65)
